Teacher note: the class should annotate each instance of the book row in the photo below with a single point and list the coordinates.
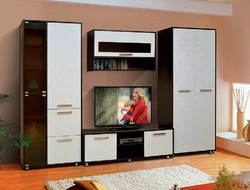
(111, 64)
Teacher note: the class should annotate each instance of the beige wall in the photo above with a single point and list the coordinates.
(232, 49)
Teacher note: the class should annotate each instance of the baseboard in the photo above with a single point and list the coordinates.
(229, 141)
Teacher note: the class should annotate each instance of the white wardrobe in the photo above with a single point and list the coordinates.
(187, 66)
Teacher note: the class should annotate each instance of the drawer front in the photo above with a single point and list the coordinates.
(100, 147)
(64, 122)
(124, 44)
(65, 149)
(158, 143)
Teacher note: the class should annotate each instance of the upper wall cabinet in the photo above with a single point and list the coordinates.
(121, 50)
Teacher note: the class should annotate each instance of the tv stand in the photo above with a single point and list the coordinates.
(102, 144)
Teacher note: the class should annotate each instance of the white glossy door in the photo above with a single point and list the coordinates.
(205, 89)
(64, 65)
(183, 90)
(124, 37)
(64, 92)
(158, 143)
(64, 149)
(100, 147)
(64, 122)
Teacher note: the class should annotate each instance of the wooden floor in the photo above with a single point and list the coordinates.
(12, 176)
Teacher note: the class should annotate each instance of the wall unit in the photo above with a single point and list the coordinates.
(50, 92)
(186, 79)
(120, 50)
(107, 145)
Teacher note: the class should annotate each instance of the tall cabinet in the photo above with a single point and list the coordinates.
(187, 87)
(50, 92)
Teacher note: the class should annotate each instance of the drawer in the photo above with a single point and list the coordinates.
(65, 149)
(64, 122)
(124, 44)
(100, 147)
(157, 143)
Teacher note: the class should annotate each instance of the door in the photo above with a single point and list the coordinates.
(64, 65)
(183, 90)
(205, 90)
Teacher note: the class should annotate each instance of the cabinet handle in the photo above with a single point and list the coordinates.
(26, 93)
(64, 140)
(64, 105)
(206, 90)
(64, 112)
(43, 91)
(184, 91)
(159, 134)
(43, 95)
(126, 54)
(101, 138)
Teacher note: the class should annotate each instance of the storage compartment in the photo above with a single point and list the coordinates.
(121, 50)
(154, 141)
(66, 149)
(64, 122)
(130, 145)
(100, 147)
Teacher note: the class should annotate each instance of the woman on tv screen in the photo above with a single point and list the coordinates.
(139, 110)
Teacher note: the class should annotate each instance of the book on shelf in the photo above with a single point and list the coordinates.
(124, 64)
(111, 64)
(96, 64)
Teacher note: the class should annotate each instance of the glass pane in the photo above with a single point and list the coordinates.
(35, 124)
(124, 47)
(35, 81)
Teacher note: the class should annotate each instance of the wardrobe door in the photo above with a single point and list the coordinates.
(64, 65)
(205, 90)
(183, 90)
(64, 92)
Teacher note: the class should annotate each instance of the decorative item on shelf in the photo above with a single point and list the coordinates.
(246, 131)
(241, 102)
(33, 84)
(33, 132)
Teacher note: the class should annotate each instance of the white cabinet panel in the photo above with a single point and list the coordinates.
(124, 37)
(65, 149)
(184, 122)
(64, 122)
(100, 147)
(157, 143)
(205, 60)
(183, 89)
(205, 132)
(194, 90)
(64, 65)
(205, 89)
(183, 57)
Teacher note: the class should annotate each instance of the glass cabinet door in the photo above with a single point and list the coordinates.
(34, 92)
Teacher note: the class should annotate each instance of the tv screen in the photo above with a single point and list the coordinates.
(122, 106)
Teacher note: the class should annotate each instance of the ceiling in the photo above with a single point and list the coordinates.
(212, 7)
(223, 1)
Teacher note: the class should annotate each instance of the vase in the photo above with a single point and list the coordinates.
(33, 132)
(246, 131)
(33, 84)
(240, 124)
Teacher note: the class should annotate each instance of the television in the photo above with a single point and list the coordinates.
(109, 107)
